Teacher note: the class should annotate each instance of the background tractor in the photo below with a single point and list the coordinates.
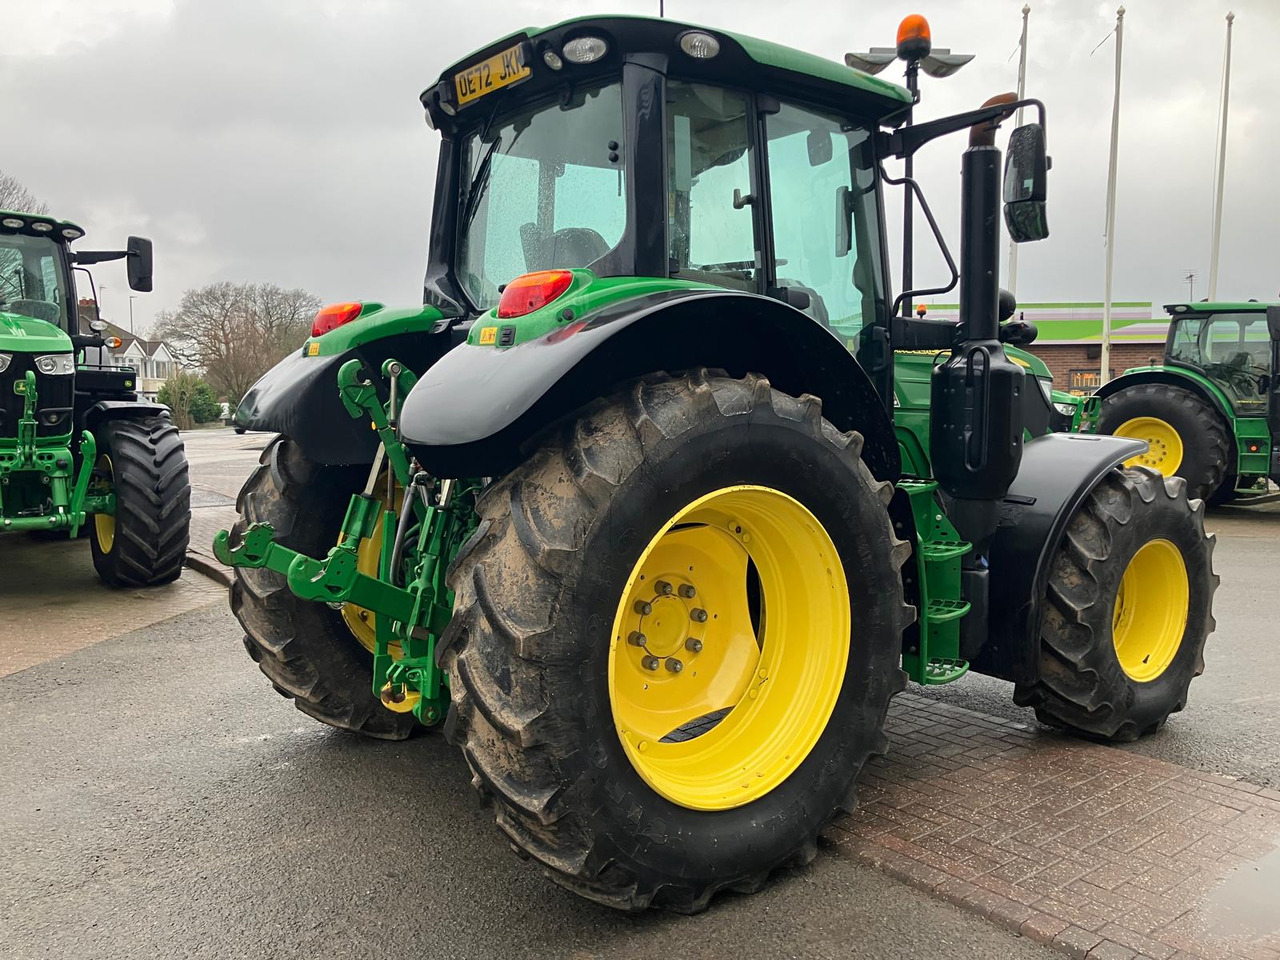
(78, 449)
(1210, 412)
(633, 508)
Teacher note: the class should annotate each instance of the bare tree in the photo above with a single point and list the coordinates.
(237, 331)
(16, 197)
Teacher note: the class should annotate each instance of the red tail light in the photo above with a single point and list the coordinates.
(334, 315)
(533, 290)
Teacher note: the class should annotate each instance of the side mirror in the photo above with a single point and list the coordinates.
(844, 221)
(1273, 322)
(139, 264)
(1026, 175)
(818, 145)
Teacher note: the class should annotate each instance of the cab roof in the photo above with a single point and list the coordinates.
(1217, 306)
(743, 61)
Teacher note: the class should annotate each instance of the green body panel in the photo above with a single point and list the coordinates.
(763, 52)
(1217, 306)
(21, 334)
(586, 293)
(374, 323)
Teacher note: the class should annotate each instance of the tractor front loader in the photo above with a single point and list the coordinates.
(78, 448)
(633, 508)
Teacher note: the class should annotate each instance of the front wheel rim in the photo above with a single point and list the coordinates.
(1164, 445)
(1150, 615)
(718, 695)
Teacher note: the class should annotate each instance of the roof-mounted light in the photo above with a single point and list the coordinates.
(41, 227)
(699, 45)
(585, 49)
(13, 223)
(552, 59)
(914, 39)
(71, 233)
(333, 316)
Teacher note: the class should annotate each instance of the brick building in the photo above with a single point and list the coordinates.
(1070, 339)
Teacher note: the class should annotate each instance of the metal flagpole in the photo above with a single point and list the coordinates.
(1022, 86)
(1105, 373)
(1222, 166)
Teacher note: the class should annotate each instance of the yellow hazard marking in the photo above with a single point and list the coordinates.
(488, 335)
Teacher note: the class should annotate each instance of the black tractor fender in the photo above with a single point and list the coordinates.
(1169, 377)
(105, 410)
(480, 410)
(299, 398)
(1058, 472)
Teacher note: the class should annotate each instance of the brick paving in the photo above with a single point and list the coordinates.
(1098, 852)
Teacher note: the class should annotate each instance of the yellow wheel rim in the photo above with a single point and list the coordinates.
(104, 524)
(1164, 446)
(730, 646)
(1151, 611)
(363, 623)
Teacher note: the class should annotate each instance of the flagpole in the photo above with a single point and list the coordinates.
(1022, 86)
(1105, 373)
(1222, 166)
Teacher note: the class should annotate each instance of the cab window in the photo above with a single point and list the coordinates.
(1231, 348)
(825, 220)
(711, 230)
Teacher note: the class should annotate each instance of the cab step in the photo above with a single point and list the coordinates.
(944, 670)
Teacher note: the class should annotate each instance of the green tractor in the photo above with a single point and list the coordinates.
(1210, 412)
(79, 452)
(632, 509)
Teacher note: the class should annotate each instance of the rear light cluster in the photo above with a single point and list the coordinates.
(532, 291)
(333, 316)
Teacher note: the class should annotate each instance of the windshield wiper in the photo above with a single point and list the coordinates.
(476, 190)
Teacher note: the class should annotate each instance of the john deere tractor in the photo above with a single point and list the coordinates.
(1210, 412)
(624, 508)
(78, 449)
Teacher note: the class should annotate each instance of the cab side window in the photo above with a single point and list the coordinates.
(710, 227)
(824, 216)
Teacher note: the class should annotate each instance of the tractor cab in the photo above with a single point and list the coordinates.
(1230, 344)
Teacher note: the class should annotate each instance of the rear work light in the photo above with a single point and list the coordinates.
(527, 293)
(334, 315)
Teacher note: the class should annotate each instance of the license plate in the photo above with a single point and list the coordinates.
(501, 70)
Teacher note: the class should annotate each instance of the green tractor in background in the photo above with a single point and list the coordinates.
(1210, 413)
(657, 500)
(78, 449)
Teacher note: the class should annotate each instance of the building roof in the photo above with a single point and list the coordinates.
(88, 310)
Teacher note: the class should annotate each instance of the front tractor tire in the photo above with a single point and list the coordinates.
(1186, 437)
(317, 656)
(144, 542)
(1128, 610)
(675, 636)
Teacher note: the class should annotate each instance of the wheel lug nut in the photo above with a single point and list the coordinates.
(649, 663)
(644, 607)
(687, 591)
(674, 665)
(693, 645)
(637, 639)
(698, 615)
(662, 588)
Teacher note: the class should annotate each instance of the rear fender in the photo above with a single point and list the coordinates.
(1173, 377)
(480, 410)
(1058, 472)
(105, 410)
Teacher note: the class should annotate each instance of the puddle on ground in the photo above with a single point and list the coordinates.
(1247, 902)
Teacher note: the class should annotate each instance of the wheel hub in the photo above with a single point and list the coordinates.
(1164, 445)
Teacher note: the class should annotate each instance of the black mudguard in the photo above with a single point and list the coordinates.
(1168, 376)
(480, 410)
(1059, 470)
(298, 397)
(105, 410)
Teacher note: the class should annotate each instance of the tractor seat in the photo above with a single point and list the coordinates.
(565, 248)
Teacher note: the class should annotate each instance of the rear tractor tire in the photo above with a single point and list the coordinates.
(675, 636)
(144, 543)
(1186, 436)
(318, 656)
(1128, 610)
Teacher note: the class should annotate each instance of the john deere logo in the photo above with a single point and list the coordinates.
(20, 387)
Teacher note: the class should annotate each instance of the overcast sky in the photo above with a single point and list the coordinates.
(282, 140)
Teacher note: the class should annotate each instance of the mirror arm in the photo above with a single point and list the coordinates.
(97, 256)
(905, 141)
(937, 235)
